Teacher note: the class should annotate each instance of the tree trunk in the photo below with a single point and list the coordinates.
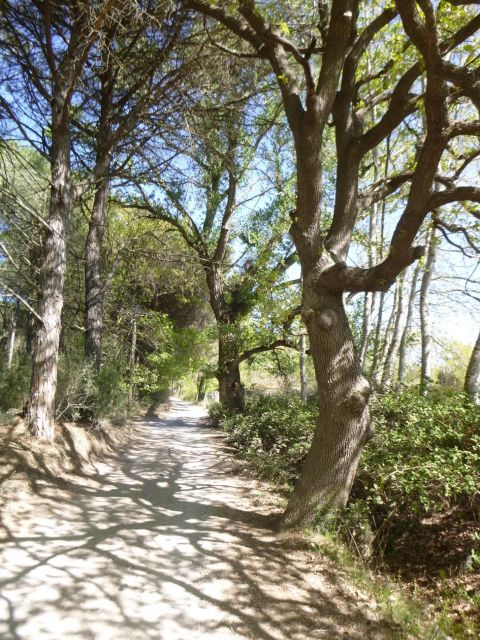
(343, 423)
(473, 371)
(425, 325)
(394, 341)
(366, 319)
(93, 279)
(201, 387)
(402, 350)
(41, 405)
(133, 353)
(93, 250)
(370, 298)
(231, 392)
(12, 332)
(376, 352)
(230, 388)
(303, 368)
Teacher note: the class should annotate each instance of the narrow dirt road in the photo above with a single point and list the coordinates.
(165, 543)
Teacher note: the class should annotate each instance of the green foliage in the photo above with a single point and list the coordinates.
(14, 384)
(218, 413)
(274, 434)
(112, 392)
(83, 393)
(172, 352)
(426, 454)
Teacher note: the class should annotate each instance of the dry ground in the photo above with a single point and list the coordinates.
(167, 542)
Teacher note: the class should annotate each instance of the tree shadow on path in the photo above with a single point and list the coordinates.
(165, 545)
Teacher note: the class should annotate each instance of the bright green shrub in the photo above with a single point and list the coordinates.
(425, 455)
(218, 413)
(274, 433)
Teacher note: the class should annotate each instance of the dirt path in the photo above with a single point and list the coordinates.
(166, 543)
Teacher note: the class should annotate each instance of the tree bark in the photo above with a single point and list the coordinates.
(93, 275)
(425, 325)
(303, 368)
(12, 332)
(473, 371)
(402, 350)
(231, 392)
(41, 406)
(343, 423)
(392, 350)
(94, 291)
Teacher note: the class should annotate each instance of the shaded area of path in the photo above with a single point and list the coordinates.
(165, 543)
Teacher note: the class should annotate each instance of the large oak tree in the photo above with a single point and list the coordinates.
(317, 58)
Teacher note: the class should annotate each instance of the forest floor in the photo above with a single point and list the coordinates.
(171, 540)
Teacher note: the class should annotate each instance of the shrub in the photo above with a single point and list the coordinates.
(14, 384)
(274, 433)
(425, 456)
(85, 394)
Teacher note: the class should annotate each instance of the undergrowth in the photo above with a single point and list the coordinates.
(419, 476)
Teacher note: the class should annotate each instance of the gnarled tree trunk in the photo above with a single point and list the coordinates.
(343, 423)
(231, 392)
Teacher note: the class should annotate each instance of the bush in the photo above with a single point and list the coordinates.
(85, 394)
(218, 413)
(274, 433)
(425, 456)
(14, 384)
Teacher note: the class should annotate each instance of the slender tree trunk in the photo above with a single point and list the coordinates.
(370, 298)
(379, 225)
(231, 392)
(41, 405)
(132, 359)
(93, 275)
(366, 320)
(12, 332)
(94, 291)
(376, 352)
(395, 339)
(473, 371)
(402, 350)
(425, 324)
(303, 368)
(201, 387)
